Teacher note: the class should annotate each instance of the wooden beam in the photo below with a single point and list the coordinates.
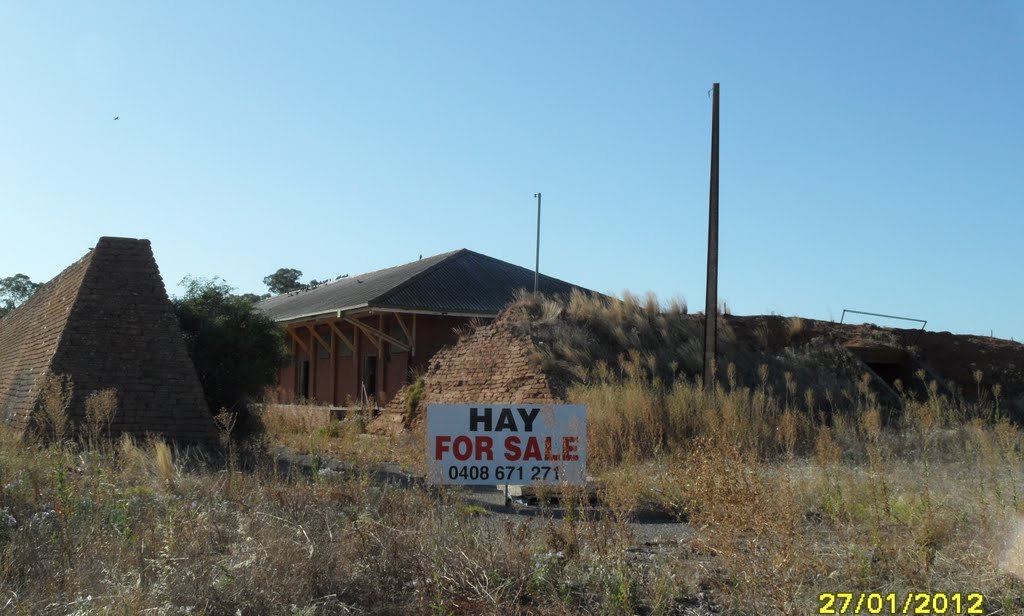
(298, 340)
(312, 330)
(295, 368)
(372, 332)
(359, 366)
(401, 323)
(334, 371)
(314, 358)
(339, 334)
(367, 331)
(380, 365)
(412, 341)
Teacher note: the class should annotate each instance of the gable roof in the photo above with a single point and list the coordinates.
(460, 282)
(105, 322)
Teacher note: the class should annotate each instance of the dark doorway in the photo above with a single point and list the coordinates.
(304, 380)
(370, 375)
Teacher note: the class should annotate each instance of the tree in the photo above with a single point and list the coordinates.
(237, 350)
(284, 280)
(254, 298)
(14, 290)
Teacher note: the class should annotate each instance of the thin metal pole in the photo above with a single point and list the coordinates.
(711, 296)
(536, 269)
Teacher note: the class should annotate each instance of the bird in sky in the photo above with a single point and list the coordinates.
(116, 117)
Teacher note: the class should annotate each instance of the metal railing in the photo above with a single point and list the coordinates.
(923, 322)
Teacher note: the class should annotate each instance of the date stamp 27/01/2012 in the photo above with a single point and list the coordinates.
(900, 603)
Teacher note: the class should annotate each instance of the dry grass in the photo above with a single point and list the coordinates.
(53, 418)
(310, 430)
(100, 407)
(789, 490)
(585, 331)
(584, 338)
(790, 502)
(146, 529)
(163, 460)
(795, 326)
(293, 418)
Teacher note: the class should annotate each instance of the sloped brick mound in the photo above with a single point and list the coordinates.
(105, 322)
(492, 363)
(538, 348)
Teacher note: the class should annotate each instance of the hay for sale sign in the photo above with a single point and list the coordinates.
(514, 444)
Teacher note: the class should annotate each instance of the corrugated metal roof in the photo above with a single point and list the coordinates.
(459, 282)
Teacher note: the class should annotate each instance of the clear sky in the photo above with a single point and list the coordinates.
(872, 152)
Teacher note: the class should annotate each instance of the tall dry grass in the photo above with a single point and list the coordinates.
(309, 429)
(147, 528)
(100, 407)
(791, 501)
(788, 491)
(582, 339)
(53, 417)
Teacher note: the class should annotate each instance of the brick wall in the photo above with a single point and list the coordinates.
(117, 330)
(492, 364)
(28, 341)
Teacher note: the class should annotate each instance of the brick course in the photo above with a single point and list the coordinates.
(105, 321)
(491, 364)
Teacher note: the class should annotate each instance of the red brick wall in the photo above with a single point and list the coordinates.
(323, 383)
(397, 372)
(347, 382)
(492, 364)
(118, 331)
(433, 333)
(28, 341)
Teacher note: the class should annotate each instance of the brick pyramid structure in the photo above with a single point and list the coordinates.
(106, 322)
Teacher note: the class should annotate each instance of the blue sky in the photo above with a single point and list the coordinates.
(871, 152)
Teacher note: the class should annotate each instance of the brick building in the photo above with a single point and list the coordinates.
(105, 322)
(359, 337)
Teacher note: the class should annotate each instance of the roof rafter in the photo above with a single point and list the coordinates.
(372, 332)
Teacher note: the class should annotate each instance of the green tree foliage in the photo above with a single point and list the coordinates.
(238, 351)
(284, 280)
(14, 290)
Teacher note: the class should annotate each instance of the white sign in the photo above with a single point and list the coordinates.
(515, 444)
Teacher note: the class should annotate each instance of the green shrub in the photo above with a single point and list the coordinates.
(237, 350)
(331, 430)
(414, 395)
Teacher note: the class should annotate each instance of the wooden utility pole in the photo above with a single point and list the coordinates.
(711, 295)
